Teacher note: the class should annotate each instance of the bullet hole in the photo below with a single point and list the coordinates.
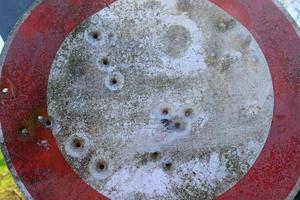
(177, 125)
(173, 124)
(188, 112)
(101, 166)
(48, 123)
(77, 146)
(5, 90)
(92, 36)
(105, 61)
(24, 132)
(95, 35)
(167, 166)
(155, 155)
(45, 122)
(77, 143)
(165, 122)
(165, 111)
(114, 81)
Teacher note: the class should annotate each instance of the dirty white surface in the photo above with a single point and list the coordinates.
(160, 100)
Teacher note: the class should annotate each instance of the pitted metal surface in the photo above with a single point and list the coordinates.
(160, 100)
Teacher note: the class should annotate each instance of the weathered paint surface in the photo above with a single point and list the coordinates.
(37, 159)
(145, 83)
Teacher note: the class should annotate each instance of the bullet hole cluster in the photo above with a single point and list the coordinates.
(114, 81)
(157, 156)
(175, 122)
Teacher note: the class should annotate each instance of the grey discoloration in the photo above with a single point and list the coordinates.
(179, 78)
(176, 41)
(184, 5)
(225, 25)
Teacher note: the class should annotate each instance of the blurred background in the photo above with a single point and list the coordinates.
(8, 188)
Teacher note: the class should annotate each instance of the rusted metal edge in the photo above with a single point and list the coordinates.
(5, 49)
(283, 9)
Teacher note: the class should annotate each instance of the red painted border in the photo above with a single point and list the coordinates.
(277, 168)
(26, 70)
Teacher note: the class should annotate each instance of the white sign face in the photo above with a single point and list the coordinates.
(160, 99)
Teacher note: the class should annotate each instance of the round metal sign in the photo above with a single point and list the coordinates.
(152, 99)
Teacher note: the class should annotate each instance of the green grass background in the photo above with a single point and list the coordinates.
(8, 188)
